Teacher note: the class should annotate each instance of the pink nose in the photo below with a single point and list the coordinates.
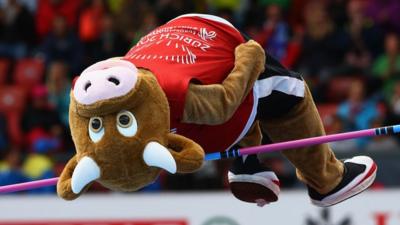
(105, 80)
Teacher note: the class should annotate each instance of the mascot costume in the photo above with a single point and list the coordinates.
(196, 85)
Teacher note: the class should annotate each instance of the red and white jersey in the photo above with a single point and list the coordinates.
(195, 48)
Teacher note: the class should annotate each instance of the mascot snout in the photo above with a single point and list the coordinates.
(105, 80)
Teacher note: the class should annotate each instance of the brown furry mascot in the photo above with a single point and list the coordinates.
(191, 86)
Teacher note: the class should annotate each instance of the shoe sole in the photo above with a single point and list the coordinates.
(252, 188)
(354, 188)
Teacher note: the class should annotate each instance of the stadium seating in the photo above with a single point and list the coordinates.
(12, 102)
(12, 99)
(338, 87)
(28, 73)
(4, 69)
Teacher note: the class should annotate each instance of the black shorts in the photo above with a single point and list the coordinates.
(280, 90)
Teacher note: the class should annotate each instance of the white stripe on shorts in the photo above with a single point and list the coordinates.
(285, 84)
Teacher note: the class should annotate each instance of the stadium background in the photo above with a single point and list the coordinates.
(347, 50)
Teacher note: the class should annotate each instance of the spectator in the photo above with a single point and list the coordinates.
(10, 172)
(41, 123)
(129, 17)
(394, 100)
(387, 65)
(49, 10)
(33, 168)
(357, 111)
(364, 38)
(90, 22)
(29, 4)
(274, 36)
(63, 44)
(58, 84)
(17, 31)
(386, 68)
(37, 167)
(393, 105)
(323, 45)
(38, 113)
(110, 43)
(150, 21)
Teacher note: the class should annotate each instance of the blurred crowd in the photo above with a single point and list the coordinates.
(347, 50)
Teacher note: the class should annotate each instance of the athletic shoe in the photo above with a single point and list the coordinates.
(359, 174)
(249, 181)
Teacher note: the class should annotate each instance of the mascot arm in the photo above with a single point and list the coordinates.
(216, 103)
(189, 156)
(64, 189)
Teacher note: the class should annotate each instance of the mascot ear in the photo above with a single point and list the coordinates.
(73, 82)
(189, 156)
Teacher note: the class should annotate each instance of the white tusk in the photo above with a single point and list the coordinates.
(85, 172)
(157, 155)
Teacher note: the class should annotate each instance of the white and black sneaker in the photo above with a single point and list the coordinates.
(359, 174)
(250, 181)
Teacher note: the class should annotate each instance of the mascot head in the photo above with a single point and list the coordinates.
(119, 120)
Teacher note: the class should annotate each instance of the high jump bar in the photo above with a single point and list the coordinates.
(232, 153)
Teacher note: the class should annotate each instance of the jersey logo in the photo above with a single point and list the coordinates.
(207, 35)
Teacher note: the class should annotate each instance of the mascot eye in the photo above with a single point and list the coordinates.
(126, 124)
(96, 129)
